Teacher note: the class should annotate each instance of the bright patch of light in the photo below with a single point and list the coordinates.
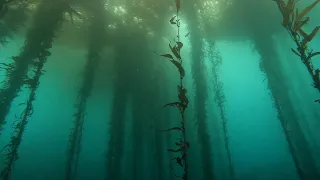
(210, 9)
(151, 33)
(112, 26)
(137, 19)
(119, 10)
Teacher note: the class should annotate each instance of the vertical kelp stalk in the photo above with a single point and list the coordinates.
(116, 131)
(16, 138)
(182, 103)
(96, 44)
(144, 92)
(298, 144)
(293, 21)
(139, 137)
(47, 19)
(219, 98)
(117, 121)
(158, 141)
(201, 93)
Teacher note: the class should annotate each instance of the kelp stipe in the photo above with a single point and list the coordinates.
(95, 47)
(20, 125)
(219, 98)
(34, 53)
(293, 21)
(182, 145)
(47, 19)
(36, 62)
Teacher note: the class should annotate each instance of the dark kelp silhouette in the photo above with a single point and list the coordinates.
(19, 127)
(32, 57)
(298, 145)
(38, 41)
(182, 145)
(201, 94)
(293, 21)
(93, 58)
(219, 98)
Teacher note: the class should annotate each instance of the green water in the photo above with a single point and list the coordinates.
(131, 84)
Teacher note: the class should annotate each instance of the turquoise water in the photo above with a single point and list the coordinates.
(257, 143)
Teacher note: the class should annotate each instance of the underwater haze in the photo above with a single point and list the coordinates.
(159, 90)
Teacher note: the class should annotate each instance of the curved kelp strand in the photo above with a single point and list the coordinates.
(219, 98)
(75, 137)
(293, 21)
(47, 20)
(182, 145)
(16, 138)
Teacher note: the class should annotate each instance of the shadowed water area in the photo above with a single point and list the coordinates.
(159, 90)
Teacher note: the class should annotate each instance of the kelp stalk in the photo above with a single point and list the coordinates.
(219, 98)
(75, 137)
(47, 19)
(298, 145)
(16, 138)
(97, 31)
(182, 145)
(117, 118)
(201, 96)
(293, 21)
(198, 70)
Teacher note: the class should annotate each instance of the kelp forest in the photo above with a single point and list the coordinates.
(163, 90)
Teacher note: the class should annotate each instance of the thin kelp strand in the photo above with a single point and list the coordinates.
(38, 40)
(183, 102)
(299, 36)
(75, 137)
(17, 135)
(84, 92)
(219, 98)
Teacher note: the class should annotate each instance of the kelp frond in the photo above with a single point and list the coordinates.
(20, 125)
(175, 58)
(294, 21)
